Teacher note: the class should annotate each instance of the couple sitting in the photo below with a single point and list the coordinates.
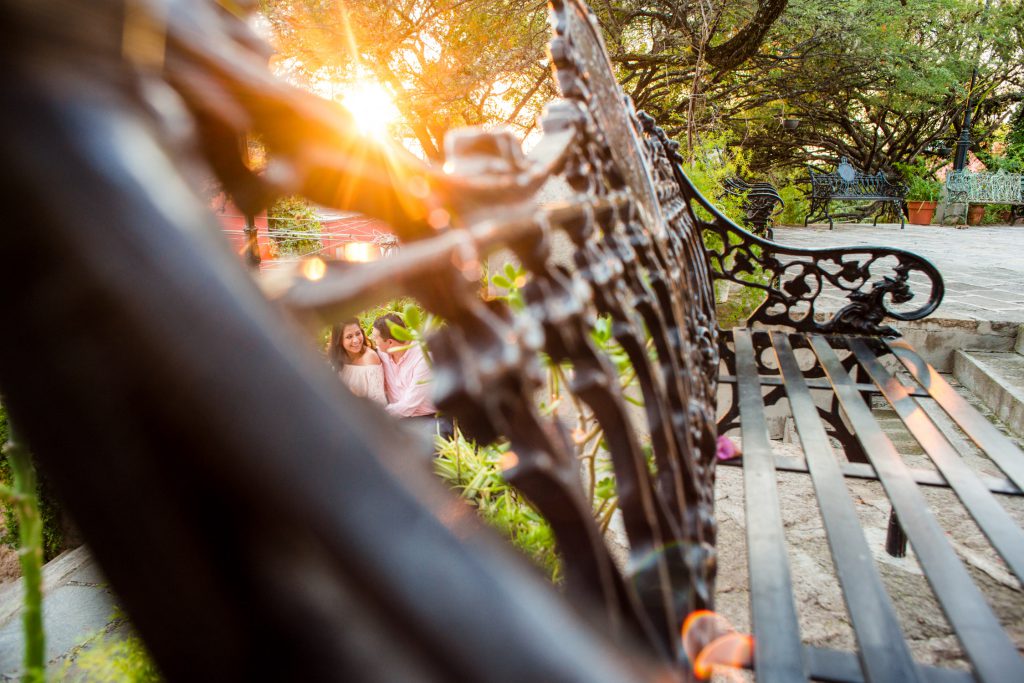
(388, 371)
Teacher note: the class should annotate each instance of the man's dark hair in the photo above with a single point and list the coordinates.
(382, 326)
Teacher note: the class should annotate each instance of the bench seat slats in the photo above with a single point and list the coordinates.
(778, 652)
(839, 666)
(816, 383)
(997, 446)
(883, 650)
(992, 653)
(864, 470)
(1006, 537)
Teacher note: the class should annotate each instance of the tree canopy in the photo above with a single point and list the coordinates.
(878, 81)
(446, 63)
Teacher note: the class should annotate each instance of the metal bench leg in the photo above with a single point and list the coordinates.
(895, 538)
(828, 215)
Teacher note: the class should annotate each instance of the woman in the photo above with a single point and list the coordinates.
(356, 361)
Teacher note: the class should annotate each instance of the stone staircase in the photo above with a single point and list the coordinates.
(997, 379)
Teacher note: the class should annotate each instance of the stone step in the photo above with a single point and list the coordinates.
(998, 381)
(1019, 346)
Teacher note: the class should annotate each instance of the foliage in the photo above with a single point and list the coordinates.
(446, 63)
(22, 496)
(293, 226)
(1012, 139)
(510, 282)
(920, 181)
(996, 214)
(476, 473)
(54, 539)
(740, 304)
(109, 659)
(879, 81)
(675, 57)
(874, 80)
(399, 305)
(710, 164)
(797, 204)
(923, 189)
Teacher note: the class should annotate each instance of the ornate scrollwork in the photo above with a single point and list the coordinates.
(797, 282)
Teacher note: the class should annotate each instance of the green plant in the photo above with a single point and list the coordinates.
(55, 541)
(294, 227)
(476, 473)
(797, 204)
(110, 659)
(22, 496)
(712, 161)
(996, 214)
(920, 182)
(923, 189)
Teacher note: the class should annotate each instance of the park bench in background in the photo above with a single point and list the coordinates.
(967, 187)
(761, 203)
(260, 523)
(846, 183)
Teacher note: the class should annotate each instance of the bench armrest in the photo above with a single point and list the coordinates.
(836, 290)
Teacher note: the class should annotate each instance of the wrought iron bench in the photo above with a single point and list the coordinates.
(966, 187)
(259, 522)
(761, 203)
(846, 183)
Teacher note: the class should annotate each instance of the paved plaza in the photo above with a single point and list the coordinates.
(982, 267)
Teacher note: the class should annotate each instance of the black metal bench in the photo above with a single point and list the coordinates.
(260, 523)
(761, 203)
(846, 183)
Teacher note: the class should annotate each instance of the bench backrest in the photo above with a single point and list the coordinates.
(985, 187)
(262, 504)
(279, 528)
(846, 182)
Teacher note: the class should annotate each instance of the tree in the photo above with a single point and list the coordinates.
(673, 55)
(446, 63)
(877, 81)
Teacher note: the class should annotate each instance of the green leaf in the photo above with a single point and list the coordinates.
(400, 333)
(412, 316)
(500, 281)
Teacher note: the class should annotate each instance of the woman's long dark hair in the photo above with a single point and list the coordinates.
(336, 353)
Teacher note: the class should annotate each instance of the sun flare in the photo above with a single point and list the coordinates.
(371, 106)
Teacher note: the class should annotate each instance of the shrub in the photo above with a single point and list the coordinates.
(55, 540)
(293, 227)
(797, 204)
(110, 659)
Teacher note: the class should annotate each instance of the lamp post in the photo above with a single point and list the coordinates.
(964, 143)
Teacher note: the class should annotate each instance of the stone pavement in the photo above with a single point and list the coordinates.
(77, 604)
(983, 272)
(982, 267)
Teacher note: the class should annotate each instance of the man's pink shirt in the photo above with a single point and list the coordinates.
(407, 383)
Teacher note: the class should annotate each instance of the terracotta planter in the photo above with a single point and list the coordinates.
(921, 213)
(975, 213)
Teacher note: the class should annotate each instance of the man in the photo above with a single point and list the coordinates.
(407, 376)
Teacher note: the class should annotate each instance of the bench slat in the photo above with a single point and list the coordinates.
(778, 653)
(884, 654)
(1006, 537)
(993, 654)
(996, 445)
(838, 666)
(816, 383)
(864, 470)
